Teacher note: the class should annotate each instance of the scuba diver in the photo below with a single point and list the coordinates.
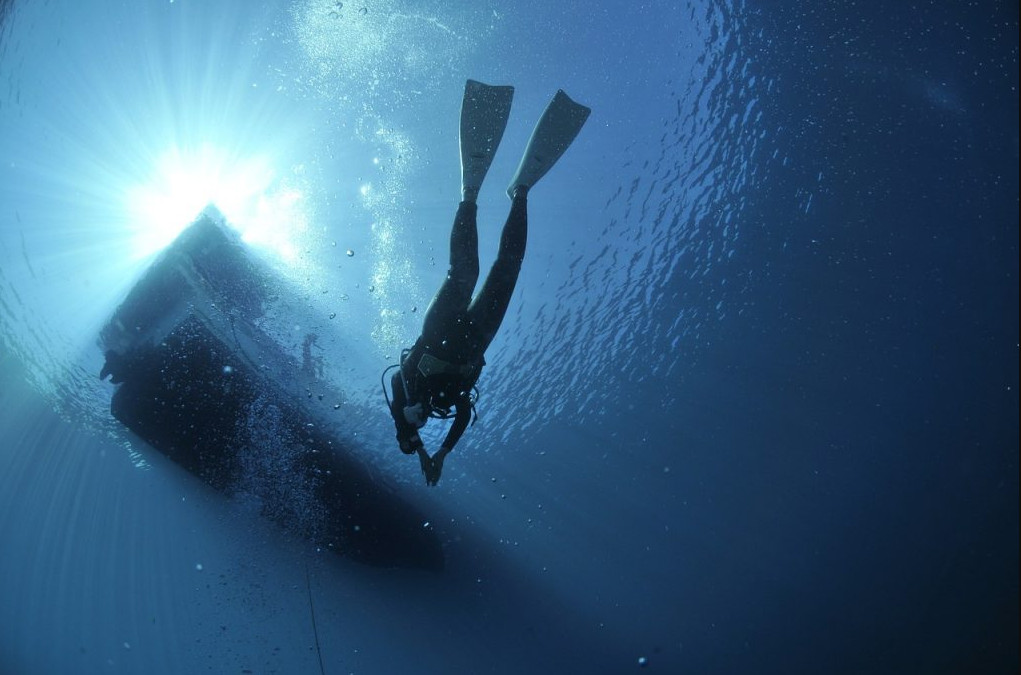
(439, 372)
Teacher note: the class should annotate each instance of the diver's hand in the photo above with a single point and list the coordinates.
(416, 415)
(432, 467)
(410, 446)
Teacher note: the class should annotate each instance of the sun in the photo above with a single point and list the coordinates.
(255, 199)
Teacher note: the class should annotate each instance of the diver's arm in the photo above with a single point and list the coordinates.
(432, 467)
(461, 419)
(407, 434)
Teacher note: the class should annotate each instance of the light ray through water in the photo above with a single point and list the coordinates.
(115, 147)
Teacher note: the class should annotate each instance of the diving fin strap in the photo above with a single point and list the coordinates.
(556, 129)
(484, 113)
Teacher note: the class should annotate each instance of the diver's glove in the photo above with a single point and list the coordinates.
(435, 467)
(432, 467)
(410, 446)
(416, 415)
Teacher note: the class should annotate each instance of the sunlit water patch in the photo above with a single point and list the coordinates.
(374, 64)
(105, 163)
(372, 51)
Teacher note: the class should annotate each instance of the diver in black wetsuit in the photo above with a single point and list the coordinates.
(441, 369)
(438, 374)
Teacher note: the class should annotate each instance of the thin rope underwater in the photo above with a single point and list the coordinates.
(315, 630)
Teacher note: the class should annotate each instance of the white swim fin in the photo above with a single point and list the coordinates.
(484, 113)
(556, 129)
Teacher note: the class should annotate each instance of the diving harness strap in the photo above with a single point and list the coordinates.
(435, 412)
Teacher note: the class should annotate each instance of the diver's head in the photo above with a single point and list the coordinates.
(416, 415)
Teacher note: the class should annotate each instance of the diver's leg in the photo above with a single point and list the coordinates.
(452, 299)
(490, 305)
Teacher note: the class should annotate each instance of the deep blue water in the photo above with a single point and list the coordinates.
(754, 407)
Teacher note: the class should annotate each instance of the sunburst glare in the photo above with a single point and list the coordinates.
(107, 162)
(250, 194)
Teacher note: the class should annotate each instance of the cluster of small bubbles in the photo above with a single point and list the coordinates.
(349, 49)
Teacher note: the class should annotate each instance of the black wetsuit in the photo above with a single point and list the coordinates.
(446, 360)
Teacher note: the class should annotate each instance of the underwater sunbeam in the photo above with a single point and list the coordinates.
(261, 206)
(106, 162)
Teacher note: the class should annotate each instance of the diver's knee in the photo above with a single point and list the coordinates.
(464, 275)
